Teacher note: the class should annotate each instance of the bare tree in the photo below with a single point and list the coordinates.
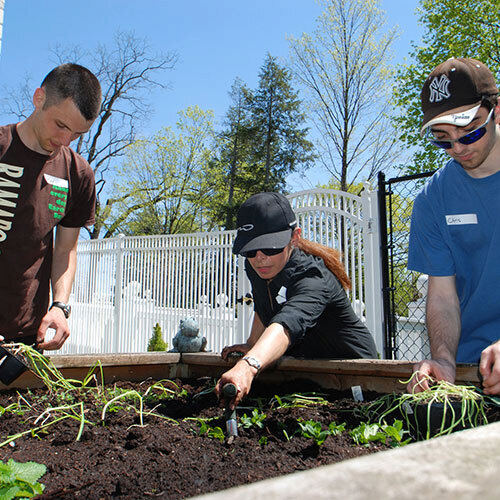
(343, 69)
(127, 73)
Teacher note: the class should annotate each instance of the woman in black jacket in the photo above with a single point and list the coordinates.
(300, 305)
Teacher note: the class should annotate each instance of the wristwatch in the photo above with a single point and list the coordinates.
(254, 363)
(66, 309)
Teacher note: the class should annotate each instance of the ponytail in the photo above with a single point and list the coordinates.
(330, 256)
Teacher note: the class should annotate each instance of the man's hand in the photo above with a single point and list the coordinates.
(489, 367)
(436, 369)
(53, 319)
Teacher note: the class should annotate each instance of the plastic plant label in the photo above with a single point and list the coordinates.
(407, 408)
(357, 393)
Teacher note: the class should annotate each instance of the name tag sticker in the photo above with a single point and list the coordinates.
(461, 219)
(56, 181)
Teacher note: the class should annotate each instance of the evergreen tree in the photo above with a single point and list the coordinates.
(280, 146)
(235, 152)
(156, 342)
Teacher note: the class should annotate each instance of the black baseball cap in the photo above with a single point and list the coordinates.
(265, 220)
(453, 84)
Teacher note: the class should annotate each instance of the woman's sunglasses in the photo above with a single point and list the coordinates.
(466, 139)
(266, 251)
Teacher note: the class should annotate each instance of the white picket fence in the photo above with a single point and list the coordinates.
(125, 285)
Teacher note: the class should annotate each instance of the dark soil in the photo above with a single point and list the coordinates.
(169, 459)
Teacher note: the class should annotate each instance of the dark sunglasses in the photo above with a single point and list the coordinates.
(466, 139)
(266, 251)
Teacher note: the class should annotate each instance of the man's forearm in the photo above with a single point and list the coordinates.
(444, 326)
(63, 275)
(64, 263)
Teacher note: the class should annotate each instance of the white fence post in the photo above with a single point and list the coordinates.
(118, 292)
(373, 269)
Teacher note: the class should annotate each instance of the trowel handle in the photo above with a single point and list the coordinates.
(229, 390)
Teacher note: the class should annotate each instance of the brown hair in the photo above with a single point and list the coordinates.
(77, 83)
(330, 256)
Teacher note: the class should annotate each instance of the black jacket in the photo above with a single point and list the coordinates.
(309, 301)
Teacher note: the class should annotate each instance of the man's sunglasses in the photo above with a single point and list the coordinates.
(466, 139)
(266, 251)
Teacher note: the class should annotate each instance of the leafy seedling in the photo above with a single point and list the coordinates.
(20, 480)
(256, 419)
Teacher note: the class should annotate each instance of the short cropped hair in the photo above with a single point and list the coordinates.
(76, 82)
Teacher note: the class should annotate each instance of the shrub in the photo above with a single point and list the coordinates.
(156, 342)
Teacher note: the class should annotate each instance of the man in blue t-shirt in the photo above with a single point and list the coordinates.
(455, 227)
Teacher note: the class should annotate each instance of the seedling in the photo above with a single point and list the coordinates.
(206, 430)
(314, 430)
(256, 419)
(367, 433)
(299, 400)
(20, 480)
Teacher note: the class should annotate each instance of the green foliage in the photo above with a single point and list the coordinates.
(20, 480)
(156, 342)
(344, 69)
(314, 430)
(366, 433)
(263, 440)
(211, 432)
(73, 394)
(452, 28)
(256, 419)
(166, 183)
(263, 141)
(298, 400)
(458, 407)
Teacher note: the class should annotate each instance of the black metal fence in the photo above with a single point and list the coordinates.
(403, 291)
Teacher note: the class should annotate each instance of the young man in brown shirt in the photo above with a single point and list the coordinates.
(44, 185)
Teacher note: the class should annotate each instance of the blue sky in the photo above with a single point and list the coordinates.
(216, 40)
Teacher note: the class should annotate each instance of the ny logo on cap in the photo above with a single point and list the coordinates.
(439, 89)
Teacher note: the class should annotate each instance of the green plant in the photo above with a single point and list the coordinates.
(206, 430)
(20, 480)
(71, 395)
(314, 430)
(298, 400)
(156, 342)
(459, 406)
(367, 433)
(257, 418)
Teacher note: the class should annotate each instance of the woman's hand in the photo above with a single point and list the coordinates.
(241, 375)
(239, 348)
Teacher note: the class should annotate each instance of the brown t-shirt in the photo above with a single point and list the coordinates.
(37, 192)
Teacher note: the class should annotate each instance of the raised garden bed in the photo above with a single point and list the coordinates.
(171, 442)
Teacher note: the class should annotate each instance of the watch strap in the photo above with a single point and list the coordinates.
(66, 309)
(253, 362)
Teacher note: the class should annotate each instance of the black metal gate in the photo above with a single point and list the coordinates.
(404, 325)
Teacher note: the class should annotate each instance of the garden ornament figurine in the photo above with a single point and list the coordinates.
(188, 338)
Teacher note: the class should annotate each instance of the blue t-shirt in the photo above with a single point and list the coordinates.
(455, 230)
